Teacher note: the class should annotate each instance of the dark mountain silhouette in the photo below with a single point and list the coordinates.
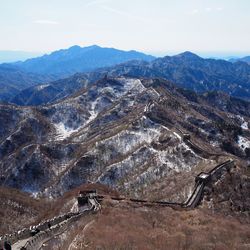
(66, 62)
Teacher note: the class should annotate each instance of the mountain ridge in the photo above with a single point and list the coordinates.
(118, 131)
(245, 59)
(186, 70)
(56, 65)
(76, 59)
(14, 80)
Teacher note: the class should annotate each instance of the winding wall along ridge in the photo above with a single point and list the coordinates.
(193, 201)
(58, 224)
(46, 230)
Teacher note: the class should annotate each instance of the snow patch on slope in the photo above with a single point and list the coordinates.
(134, 84)
(127, 140)
(244, 125)
(92, 111)
(41, 87)
(63, 131)
(177, 135)
(243, 142)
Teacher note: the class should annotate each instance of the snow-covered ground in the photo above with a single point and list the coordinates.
(95, 106)
(40, 87)
(243, 142)
(63, 132)
(135, 144)
(134, 84)
(177, 135)
(244, 125)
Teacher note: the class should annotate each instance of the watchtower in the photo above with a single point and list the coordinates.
(203, 177)
(83, 196)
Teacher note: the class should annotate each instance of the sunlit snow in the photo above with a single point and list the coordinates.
(244, 125)
(243, 142)
(177, 135)
(63, 132)
(40, 87)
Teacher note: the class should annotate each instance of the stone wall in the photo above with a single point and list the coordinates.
(37, 241)
(27, 232)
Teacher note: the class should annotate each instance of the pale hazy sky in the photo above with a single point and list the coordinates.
(153, 26)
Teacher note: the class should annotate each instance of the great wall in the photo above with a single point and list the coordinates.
(193, 201)
(89, 202)
(33, 237)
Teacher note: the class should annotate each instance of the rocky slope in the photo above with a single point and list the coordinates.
(122, 132)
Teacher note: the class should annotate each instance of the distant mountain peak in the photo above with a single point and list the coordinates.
(188, 54)
(65, 62)
(74, 47)
(94, 46)
(245, 59)
(87, 47)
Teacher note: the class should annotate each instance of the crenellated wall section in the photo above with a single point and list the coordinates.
(36, 235)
